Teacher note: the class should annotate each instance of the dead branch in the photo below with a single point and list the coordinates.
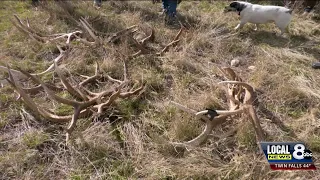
(84, 106)
(237, 106)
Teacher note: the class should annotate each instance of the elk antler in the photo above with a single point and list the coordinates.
(141, 44)
(117, 35)
(89, 29)
(18, 76)
(173, 42)
(27, 29)
(248, 107)
(212, 118)
(40, 37)
(86, 104)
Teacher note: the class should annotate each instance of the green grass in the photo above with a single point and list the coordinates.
(34, 138)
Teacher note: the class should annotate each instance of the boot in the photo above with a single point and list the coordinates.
(172, 21)
(97, 4)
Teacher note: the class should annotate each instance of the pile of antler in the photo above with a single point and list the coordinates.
(86, 102)
(75, 35)
(139, 35)
(241, 97)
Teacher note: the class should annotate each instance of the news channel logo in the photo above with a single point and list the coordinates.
(288, 155)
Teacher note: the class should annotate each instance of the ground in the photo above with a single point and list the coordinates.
(288, 93)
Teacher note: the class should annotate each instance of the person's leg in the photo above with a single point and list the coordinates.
(97, 2)
(35, 2)
(165, 6)
(172, 10)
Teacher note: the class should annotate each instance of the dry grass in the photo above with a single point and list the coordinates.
(136, 147)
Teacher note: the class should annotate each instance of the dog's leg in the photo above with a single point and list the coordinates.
(282, 25)
(282, 32)
(240, 25)
(282, 29)
(255, 27)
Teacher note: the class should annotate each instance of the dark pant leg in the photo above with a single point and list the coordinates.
(172, 10)
(165, 4)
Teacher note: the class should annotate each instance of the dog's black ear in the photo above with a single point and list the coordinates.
(241, 7)
(238, 6)
(234, 5)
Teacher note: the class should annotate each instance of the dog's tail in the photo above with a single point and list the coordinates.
(290, 11)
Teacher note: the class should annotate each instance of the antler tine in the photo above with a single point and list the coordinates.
(234, 100)
(185, 109)
(26, 98)
(56, 60)
(179, 33)
(23, 30)
(30, 103)
(87, 28)
(256, 123)
(230, 72)
(97, 74)
(249, 90)
(140, 46)
(73, 122)
(68, 35)
(27, 29)
(97, 69)
(151, 36)
(201, 137)
(130, 93)
(87, 23)
(73, 91)
(38, 88)
(15, 74)
(111, 99)
(200, 114)
(234, 77)
(113, 80)
(121, 33)
(124, 76)
(173, 42)
(88, 43)
(61, 51)
(125, 79)
(28, 25)
(49, 92)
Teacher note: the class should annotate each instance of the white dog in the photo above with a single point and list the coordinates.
(260, 14)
